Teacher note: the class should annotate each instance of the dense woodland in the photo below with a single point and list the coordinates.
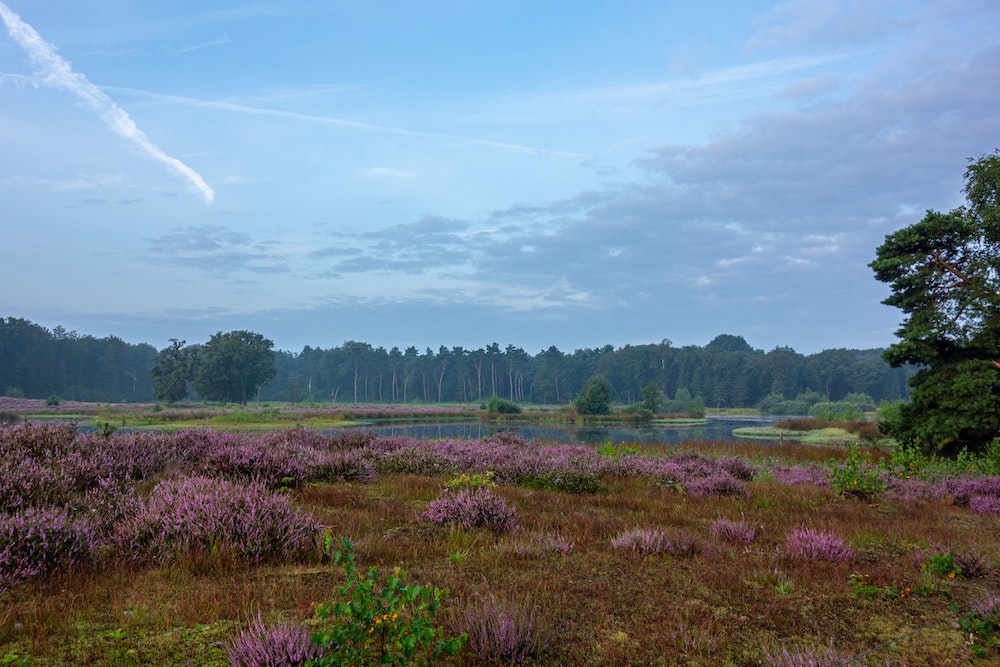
(38, 363)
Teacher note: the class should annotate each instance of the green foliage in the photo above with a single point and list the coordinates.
(14, 392)
(864, 589)
(595, 397)
(501, 406)
(231, 367)
(171, 371)
(953, 406)
(651, 398)
(696, 407)
(381, 621)
(942, 565)
(53, 400)
(473, 481)
(944, 272)
(857, 476)
(613, 451)
(835, 411)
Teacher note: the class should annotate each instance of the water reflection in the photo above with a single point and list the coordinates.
(713, 429)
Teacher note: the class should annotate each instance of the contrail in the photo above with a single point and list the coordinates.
(57, 72)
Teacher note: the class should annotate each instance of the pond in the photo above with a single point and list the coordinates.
(716, 428)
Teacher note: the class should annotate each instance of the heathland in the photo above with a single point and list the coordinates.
(216, 547)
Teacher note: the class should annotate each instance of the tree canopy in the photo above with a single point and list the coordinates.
(232, 367)
(944, 272)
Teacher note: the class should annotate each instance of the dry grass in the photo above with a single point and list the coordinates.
(600, 606)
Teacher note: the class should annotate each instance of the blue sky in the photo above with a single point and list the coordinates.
(457, 173)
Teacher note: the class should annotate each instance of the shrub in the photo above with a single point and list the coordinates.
(473, 481)
(985, 505)
(652, 541)
(538, 544)
(215, 516)
(810, 544)
(39, 541)
(262, 645)
(857, 476)
(734, 532)
(501, 406)
(382, 621)
(472, 508)
(718, 484)
(53, 400)
(782, 656)
(501, 628)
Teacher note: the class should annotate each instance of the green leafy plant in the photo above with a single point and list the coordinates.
(473, 481)
(865, 589)
(857, 476)
(381, 620)
(614, 451)
(942, 565)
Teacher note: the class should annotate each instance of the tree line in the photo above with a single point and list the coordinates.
(37, 363)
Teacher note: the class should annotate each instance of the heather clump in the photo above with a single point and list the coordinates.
(39, 541)
(501, 628)
(654, 541)
(734, 532)
(200, 514)
(272, 645)
(812, 544)
(480, 507)
(801, 475)
(805, 656)
(530, 545)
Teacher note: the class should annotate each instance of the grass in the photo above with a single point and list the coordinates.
(727, 604)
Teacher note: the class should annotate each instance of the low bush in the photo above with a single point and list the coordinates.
(472, 508)
(278, 645)
(199, 514)
(381, 620)
(501, 628)
(652, 541)
(734, 532)
(39, 541)
(811, 544)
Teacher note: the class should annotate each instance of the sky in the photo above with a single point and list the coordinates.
(528, 172)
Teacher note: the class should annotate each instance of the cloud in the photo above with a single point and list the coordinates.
(57, 72)
(218, 251)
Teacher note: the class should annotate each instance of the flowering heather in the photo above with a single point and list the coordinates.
(811, 544)
(985, 505)
(718, 484)
(805, 657)
(472, 508)
(501, 629)
(38, 541)
(539, 544)
(652, 541)
(964, 489)
(973, 565)
(988, 609)
(734, 532)
(808, 475)
(738, 468)
(263, 645)
(202, 514)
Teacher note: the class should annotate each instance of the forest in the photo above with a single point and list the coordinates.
(36, 362)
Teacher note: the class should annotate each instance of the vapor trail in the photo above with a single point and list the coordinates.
(57, 72)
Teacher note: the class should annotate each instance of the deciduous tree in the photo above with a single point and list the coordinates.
(232, 366)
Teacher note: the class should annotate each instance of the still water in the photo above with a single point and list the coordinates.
(714, 429)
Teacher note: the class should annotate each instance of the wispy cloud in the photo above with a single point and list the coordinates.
(344, 123)
(57, 72)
